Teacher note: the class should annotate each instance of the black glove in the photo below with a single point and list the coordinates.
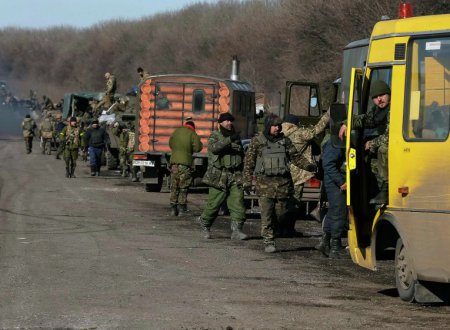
(235, 137)
(311, 167)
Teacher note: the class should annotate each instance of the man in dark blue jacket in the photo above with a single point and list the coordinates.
(96, 139)
(335, 222)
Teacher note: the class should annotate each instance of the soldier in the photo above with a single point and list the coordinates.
(47, 104)
(377, 119)
(122, 133)
(28, 127)
(144, 75)
(224, 178)
(183, 142)
(130, 151)
(72, 137)
(46, 132)
(96, 140)
(110, 90)
(268, 156)
(301, 138)
(59, 126)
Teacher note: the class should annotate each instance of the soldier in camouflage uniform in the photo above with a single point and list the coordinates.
(72, 138)
(130, 151)
(28, 127)
(183, 142)
(268, 157)
(110, 90)
(224, 178)
(46, 132)
(301, 138)
(122, 133)
(377, 119)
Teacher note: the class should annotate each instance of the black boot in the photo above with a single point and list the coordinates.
(98, 170)
(72, 171)
(67, 172)
(382, 196)
(182, 209)
(324, 245)
(93, 170)
(173, 210)
(336, 249)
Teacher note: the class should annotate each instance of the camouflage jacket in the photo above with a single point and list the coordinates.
(300, 137)
(218, 176)
(377, 119)
(73, 137)
(279, 186)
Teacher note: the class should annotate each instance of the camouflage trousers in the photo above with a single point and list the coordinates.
(273, 212)
(70, 157)
(180, 180)
(28, 143)
(123, 158)
(235, 202)
(46, 146)
(379, 165)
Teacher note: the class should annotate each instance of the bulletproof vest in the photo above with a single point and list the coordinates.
(46, 125)
(73, 135)
(231, 160)
(272, 160)
(131, 138)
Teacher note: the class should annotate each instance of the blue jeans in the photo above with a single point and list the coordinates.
(95, 157)
(336, 219)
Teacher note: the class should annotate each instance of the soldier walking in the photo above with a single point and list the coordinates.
(72, 138)
(46, 132)
(96, 140)
(59, 126)
(28, 127)
(183, 142)
(224, 178)
(268, 156)
(130, 151)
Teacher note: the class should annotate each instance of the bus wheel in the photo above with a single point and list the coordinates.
(404, 277)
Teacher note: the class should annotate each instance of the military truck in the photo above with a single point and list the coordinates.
(166, 101)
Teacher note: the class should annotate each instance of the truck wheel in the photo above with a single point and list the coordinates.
(111, 161)
(404, 277)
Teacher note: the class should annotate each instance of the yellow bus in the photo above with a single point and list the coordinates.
(412, 55)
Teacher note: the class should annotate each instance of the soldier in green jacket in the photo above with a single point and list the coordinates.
(268, 157)
(184, 142)
(72, 137)
(224, 178)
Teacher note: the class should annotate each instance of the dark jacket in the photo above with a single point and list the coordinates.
(333, 164)
(96, 137)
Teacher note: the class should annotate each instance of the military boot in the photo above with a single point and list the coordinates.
(173, 210)
(124, 173)
(182, 209)
(382, 196)
(72, 172)
(206, 231)
(324, 245)
(236, 231)
(67, 172)
(93, 170)
(269, 247)
(337, 251)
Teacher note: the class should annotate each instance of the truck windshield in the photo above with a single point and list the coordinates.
(428, 92)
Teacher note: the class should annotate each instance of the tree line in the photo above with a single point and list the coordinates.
(276, 40)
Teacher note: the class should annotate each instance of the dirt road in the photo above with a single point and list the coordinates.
(100, 253)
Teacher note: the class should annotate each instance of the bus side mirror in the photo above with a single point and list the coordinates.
(338, 113)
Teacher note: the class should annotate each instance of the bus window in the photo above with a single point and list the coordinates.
(428, 90)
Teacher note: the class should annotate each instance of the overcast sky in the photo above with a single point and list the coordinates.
(81, 13)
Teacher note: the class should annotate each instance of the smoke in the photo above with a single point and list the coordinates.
(11, 122)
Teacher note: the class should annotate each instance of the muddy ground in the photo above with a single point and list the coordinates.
(100, 253)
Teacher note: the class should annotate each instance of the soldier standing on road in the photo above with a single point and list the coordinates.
(333, 163)
(130, 151)
(110, 90)
(224, 178)
(96, 140)
(72, 138)
(268, 156)
(184, 142)
(122, 133)
(46, 132)
(28, 127)
(59, 126)
(301, 138)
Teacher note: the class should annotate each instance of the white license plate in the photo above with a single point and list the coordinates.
(148, 163)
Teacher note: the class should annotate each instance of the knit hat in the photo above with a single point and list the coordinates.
(73, 119)
(225, 116)
(379, 87)
(293, 119)
(95, 121)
